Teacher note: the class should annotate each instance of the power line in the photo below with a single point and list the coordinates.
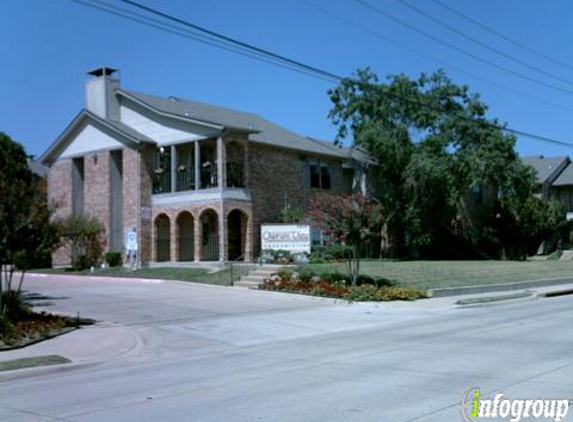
(233, 40)
(318, 71)
(458, 49)
(429, 57)
(481, 43)
(157, 24)
(503, 37)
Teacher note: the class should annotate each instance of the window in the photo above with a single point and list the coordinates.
(320, 174)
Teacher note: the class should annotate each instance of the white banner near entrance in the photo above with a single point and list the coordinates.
(294, 238)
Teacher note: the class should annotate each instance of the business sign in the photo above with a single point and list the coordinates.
(289, 237)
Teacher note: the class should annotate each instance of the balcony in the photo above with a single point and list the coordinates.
(194, 167)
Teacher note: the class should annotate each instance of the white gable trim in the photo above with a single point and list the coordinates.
(163, 130)
(84, 118)
(88, 140)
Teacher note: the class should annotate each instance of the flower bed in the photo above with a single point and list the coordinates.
(21, 326)
(338, 286)
(35, 327)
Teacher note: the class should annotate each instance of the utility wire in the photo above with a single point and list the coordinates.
(324, 73)
(458, 49)
(481, 43)
(503, 37)
(232, 40)
(162, 26)
(389, 40)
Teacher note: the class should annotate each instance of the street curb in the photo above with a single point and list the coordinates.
(507, 287)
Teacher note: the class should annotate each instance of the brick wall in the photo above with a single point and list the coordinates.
(275, 174)
(96, 188)
(60, 198)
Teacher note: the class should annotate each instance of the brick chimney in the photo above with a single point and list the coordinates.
(100, 93)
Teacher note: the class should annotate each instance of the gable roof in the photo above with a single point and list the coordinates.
(546, 168)
(127, 135)
(260, 129)
(565, 178)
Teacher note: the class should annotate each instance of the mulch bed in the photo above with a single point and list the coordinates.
(36, 327)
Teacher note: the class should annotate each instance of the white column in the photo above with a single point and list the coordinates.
(221, 163)
(197, 165)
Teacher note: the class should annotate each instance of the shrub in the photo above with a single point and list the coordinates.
(83, 235)
(335, 252)
(363, 293)
(367, 292)
(81, 262)
(113, 258)
(337, 285)
(306, 275)
(7, 330)
(280, 256)
(334, 278)
(339, 252)
(15, 308)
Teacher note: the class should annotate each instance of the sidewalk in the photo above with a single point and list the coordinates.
(85, 345)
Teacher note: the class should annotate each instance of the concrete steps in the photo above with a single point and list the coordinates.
(257, 276)
(566, 256)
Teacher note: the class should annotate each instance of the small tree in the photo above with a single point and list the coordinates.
(354, 220)
(291, 214)
(84, 237)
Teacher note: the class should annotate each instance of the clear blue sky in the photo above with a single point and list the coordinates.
(47, 46)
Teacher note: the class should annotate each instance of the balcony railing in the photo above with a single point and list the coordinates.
(162, 182)
(209, 177)
(185, 179)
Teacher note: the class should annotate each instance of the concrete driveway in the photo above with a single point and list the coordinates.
(206, 353)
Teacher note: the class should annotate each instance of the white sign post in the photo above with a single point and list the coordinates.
(294, 238)
(131, 247)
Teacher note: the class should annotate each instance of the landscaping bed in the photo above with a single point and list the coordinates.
(21, 326)
(339, 286)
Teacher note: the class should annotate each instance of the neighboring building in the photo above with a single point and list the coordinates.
(555, 179)
(195, 180)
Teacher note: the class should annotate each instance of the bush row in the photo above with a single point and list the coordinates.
(337, 285)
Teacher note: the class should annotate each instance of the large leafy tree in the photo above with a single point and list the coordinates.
(435, 147)
(25, 232)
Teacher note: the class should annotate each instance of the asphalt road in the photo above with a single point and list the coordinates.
(205, 353)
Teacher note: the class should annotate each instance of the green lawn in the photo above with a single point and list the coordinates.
(197, 275)
(439, 274)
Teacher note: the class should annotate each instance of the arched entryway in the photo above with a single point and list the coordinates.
(237, 234)
(185, 245)
(162, 238)
(209, 235)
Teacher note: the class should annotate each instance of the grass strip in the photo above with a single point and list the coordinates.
(46, 360)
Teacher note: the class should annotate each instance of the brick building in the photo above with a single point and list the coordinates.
(195, 180)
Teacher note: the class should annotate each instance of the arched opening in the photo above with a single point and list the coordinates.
(185, 243)
(209, 236)
(237, 234)
(162, 238)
